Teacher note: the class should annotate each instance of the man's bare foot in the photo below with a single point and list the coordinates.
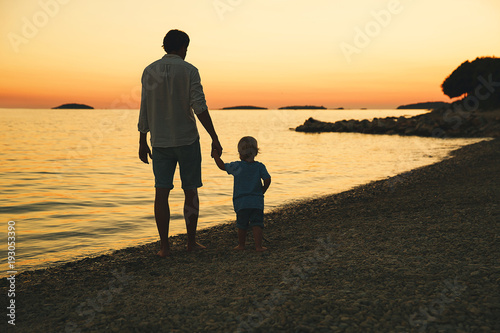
(240, 247)
(197, 246)
(163, 253)
(261, 249)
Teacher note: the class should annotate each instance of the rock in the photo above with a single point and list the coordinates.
(439, 123)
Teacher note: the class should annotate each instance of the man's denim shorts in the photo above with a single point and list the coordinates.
(249, 217)
(189, 159)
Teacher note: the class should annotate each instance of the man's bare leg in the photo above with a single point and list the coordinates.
(162, 217)
(191, 212)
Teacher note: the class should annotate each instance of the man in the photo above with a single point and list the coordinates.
(171, 94)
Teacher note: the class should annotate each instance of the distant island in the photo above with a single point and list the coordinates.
(424, 106)
(244, 107)
(302, 107)
(73, 106)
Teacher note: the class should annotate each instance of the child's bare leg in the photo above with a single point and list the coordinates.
(242, 237)
(258, 235)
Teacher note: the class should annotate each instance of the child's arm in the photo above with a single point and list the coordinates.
(219, 161)
(267, 182)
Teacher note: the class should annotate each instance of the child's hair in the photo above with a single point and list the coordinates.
(247, 147)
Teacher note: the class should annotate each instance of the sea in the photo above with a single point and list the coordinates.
(72, 185)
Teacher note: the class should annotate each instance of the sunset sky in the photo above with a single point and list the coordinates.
(271, 53)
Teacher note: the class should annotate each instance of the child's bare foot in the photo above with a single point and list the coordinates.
(197, 246)
(261, 249)
(239, 247)
(163, 253)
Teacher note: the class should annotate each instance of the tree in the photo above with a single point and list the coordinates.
(467, 79)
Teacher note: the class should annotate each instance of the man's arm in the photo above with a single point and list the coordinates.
(143, 124)
(206, 121)
(267, 182)
(144, 149)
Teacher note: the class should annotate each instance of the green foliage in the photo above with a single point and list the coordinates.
(470, 76)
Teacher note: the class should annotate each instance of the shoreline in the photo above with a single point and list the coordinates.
(366, 259)
(445, 122)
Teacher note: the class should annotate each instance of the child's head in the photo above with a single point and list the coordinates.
(247, 147)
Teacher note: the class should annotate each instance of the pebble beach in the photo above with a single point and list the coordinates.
(418, 252)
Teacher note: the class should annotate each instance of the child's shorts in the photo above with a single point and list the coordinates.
(249, 217)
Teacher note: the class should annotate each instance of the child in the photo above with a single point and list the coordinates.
(248, 193)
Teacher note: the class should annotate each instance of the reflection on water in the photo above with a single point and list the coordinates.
(72, 181)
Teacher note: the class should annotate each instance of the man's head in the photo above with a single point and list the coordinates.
(176, 42)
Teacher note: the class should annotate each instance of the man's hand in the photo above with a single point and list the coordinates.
(216, 148)
(144, 151)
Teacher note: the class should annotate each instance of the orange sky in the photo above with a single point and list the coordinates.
(272, 53)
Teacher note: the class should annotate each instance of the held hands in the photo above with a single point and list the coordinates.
(216, 148)
(216, 153)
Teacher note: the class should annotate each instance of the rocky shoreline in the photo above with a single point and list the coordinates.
(416, 252)
(440, 123)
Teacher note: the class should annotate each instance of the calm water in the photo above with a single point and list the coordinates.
(72, 182)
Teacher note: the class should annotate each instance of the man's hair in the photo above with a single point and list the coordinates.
(247, 147)
(175, 40)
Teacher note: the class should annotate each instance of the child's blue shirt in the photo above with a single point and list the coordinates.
(247, 191)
